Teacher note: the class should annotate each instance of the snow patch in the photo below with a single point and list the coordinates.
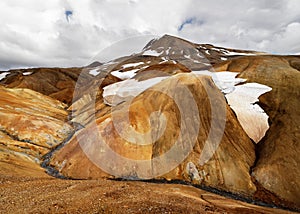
(199, 54)
(3, 75)
(152, 53)
(232, 53)
(196, 61)
(242, 99)
(164, 60)
(27, 73)
(225, 80)
(121, 91)
(132, 64)
(94, 71)
(125, 74)
(250, 115)
(168, 50)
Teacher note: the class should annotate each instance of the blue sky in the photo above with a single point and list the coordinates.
(71, 33)
(186, 22)
(68, 14)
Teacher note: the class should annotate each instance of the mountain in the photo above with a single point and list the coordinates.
(194, 56)
(31, 125)
(57, 83)
(71, 162)
(278, 150)
(221, 119)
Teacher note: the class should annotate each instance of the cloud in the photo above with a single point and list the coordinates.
(258, 25)
(72, 33)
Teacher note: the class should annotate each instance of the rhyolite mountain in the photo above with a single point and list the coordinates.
(229, 117)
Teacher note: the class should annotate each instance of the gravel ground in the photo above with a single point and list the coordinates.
(51, 195)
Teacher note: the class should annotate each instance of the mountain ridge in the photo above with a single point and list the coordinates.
(133, 104)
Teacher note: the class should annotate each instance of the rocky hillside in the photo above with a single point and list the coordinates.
(220, 119)
(31, 125)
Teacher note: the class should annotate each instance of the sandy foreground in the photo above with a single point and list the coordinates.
(51, 195)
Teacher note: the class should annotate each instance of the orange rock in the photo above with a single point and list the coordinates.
(31, 124)
(139, 144)
(57, 83)
(277, 168)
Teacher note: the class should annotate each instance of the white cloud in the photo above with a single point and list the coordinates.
(38, 34)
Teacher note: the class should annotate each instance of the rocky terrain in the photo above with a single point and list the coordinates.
(179, 127)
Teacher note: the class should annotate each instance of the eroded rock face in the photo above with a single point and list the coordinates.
(31, 124)
(277, 168)
(149, 141)
(57, 83)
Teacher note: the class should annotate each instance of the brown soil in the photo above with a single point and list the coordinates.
(50, 195)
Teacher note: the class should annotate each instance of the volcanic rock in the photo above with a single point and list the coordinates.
(142, 139)
(57, 83)
(192, 55)
(31, 124)
(276, 168)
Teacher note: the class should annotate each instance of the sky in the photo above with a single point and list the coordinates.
(68, 33)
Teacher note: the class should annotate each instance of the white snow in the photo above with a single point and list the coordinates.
(219, 49)
(188, 56)
(168, 50)
(151, 53)
(225, 80)
(242, 99)
(144, 67)
(232, 53)
(223, 58)
(125, 75)
(132, 64)
(199, 54)
(207, 52)
(27, 73)
(250, 115)
(127, 88)
(164, 60)
(94, 71)
(250, 91)
(3, 75)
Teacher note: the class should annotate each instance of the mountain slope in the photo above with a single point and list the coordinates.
(223, 119)
(31, 124)
(278, 158)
